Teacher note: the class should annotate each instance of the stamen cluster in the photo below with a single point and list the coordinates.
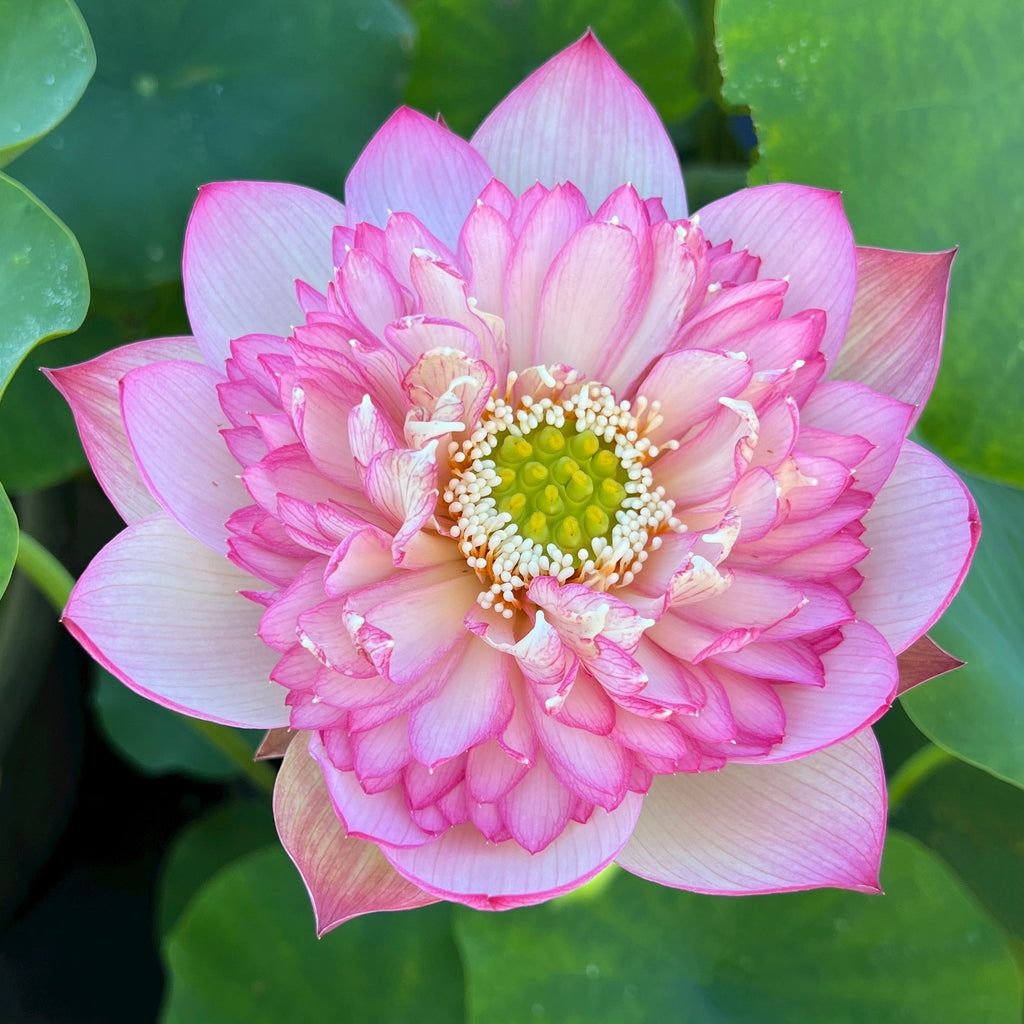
(557, 486)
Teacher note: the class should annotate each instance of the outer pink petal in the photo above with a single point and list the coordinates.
(345, 877)
(416, 165)
(801, 234)
(899, 313)
(92, 390)
(463, 866)
(163, 613)
(173, 419)
(922, 531)
(818, 821)
(247, 242)
(580, 119)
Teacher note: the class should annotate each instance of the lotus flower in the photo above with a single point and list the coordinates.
(556, 526)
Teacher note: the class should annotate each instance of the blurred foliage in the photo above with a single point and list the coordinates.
(913, 111)
(636, 952)
(472, 53)
(384, 968)
(39, 444)
(157, 740)
(46, 61)
(976, 824)
(189, 92)
(225, 834)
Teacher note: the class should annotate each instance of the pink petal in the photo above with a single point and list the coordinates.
(801, 234)
(92, 390)
(537, 809)
(474, 705)
(899, 313)
(923, 660)
(247, 243)
(860, 684)
(173, 420)
(847, 408)
(818, 821)
(463, 866)
(345, 877)
(590, 298)
(580, 119)
(689, 383)
(922, 531)
(413, 164)
(382, 817)
(162, 612)
(555, 218)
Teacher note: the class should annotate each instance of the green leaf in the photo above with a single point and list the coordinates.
(156, 740)
(976, 823)
(8, 539)
(46, 61)
(189, 91)
(44, 290)
(245, 951)
(977, 712)
(473, 52)
(637, 952)
(228, 832)
(913, 110)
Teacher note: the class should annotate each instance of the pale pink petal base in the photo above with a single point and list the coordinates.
(817, 821)
(345, 877)
(162, 612)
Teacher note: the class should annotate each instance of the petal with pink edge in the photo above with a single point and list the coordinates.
(463, 866)
(579, 118)
(415, 165)
(163, 613)
(817, 821)
(899, 314)
(173, 420)
(345, 877)
(92, 390)
(801, 234)
(922, 531)
(247, 243)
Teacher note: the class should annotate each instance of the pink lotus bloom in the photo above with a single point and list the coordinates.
(562, 528)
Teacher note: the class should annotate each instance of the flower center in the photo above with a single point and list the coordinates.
(557, 486)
